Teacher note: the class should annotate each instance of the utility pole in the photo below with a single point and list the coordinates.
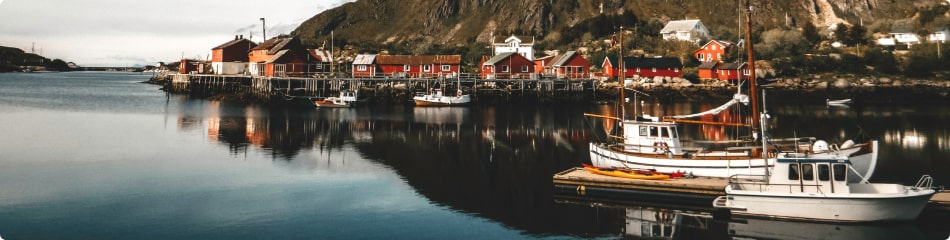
(264, 27)
(332, 59)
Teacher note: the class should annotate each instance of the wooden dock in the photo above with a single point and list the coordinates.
(577, 182)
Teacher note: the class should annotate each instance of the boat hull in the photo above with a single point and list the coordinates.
(855, 207)
(430, 101)
(863, 158)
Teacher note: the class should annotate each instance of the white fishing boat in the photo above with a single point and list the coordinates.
(647, 142)
(346, 99)
(435, 98)
(816, 189)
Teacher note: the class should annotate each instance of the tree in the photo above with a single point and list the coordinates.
(856, 36)
(810, 32)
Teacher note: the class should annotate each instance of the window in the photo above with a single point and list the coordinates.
(673, 133)
(824, 174)
(654, 132)
(361, 68)
(714, 47)
(643, 130)
(719, 56)
(504, 68)
(701, 57)
(638, 69)
(427, 68)
(446, 68)
(663, 132)
(745, 72)
(406, 67)
(840, 172)
(524, 69)
(793, 172)
(676, 69)
(654, 69)
(808, 172)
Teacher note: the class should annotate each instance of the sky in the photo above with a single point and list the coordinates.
(119, 33)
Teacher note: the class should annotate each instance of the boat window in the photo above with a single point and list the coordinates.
(824, 174)
(663, 132)
(808, 172)
(840, 171)
(653, 131)
(673, 132)
(643, 130)
(793, 172)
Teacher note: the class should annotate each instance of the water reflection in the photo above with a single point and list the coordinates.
(778, 229)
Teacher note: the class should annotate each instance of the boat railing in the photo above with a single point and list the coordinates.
(749, 181)
(925, 182)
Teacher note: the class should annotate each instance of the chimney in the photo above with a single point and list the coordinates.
(235, 37)
(242, 36)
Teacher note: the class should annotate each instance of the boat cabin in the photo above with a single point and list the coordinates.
(348, 96)
(649, 135)
(793, 173)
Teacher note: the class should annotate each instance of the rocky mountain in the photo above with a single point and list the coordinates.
(420, 25)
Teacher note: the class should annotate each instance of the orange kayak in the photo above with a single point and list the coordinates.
(627, 173)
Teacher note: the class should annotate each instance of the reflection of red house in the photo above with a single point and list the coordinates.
(713, 51)
(644, 67)
(508, 66)
(281, 57)
(732, 71)
(419, 66)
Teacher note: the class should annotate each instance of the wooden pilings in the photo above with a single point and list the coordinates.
(381, 89)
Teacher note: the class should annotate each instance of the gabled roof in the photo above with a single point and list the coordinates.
(235, 42)
(364, 59)
(732, 66)
(277, 56)
(498, 58)
(680, 26)
(633, 62)
(722, 43)
(418, 60)
(504, 40)
(563, 58)
(274, 45)
(708, 65)
(321, 55)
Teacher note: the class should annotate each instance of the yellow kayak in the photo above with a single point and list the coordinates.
(632, 174)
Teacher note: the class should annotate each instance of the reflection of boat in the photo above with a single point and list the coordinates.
(654, 143)
(627, 173)
(809, 188)
(346, 99)
(440, 115)
(436, 98)
(777, 229)
(837, 102)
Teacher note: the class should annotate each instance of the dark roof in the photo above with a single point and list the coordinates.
(731, 66)
(234, 42)
(274, 45)
(498, 58)
(633, 62)
(708, 65)
(418, 60)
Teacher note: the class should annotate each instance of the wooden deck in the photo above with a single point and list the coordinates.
(577, 182)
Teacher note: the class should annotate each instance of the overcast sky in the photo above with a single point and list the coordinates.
(129, 32)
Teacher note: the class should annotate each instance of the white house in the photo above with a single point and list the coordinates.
(686, 30)
(905, 38)
(515, 44)
(939, 36)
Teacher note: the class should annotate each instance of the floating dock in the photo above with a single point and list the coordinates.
(577, 182)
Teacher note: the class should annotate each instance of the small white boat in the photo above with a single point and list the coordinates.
(838, 102)
(346, 99)
(436, 98)
(816, 189)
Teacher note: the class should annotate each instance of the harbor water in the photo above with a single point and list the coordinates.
(100, 155)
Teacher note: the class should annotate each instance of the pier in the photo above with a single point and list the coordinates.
(579, 183)
(386, 89)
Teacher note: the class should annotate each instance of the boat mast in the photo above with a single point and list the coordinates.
(623, 79)
(751, 58)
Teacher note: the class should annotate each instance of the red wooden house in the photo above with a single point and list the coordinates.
(644, 67)
(570, 65)
(364, 65)
(713, 51)
(426, 66)
(232, 56)
(508, 66)
(322, 59)
(281, 57)
(733, 71)
(708, 70)
(540, 63)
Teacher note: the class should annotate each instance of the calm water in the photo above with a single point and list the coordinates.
(102, 156)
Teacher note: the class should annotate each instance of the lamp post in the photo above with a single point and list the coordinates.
(264, 28)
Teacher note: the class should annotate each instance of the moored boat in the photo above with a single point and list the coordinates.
(346, 99)
(816, 189)
(436, 98)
